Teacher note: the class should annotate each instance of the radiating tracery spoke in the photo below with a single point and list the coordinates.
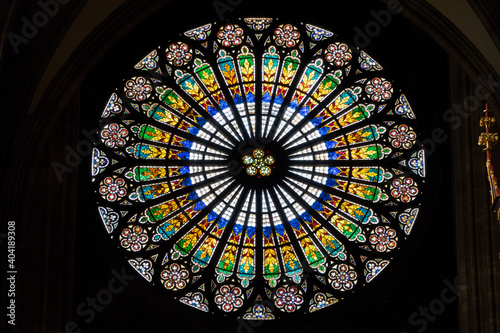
(258, 162)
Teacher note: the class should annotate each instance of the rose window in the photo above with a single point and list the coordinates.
(258, 169)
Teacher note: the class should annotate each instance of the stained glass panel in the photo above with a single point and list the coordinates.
(257, 163)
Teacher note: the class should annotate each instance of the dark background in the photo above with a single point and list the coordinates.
(410, 282)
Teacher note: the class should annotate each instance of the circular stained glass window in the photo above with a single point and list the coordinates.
(258, 168)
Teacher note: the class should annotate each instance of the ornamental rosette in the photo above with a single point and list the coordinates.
(179, 54)
(229, 298)
(133, 238)
(175, 277)
(404, 189)
(342, 277)
(286, 35)
(258, 163)
(112, 188)
(288, 298)
(138, 89)
(379, 89)
(384, 239)
(402, 136)
(114, 135)
(230, 35)
(338, 53)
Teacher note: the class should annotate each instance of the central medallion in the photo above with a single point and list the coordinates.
(258, 163)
